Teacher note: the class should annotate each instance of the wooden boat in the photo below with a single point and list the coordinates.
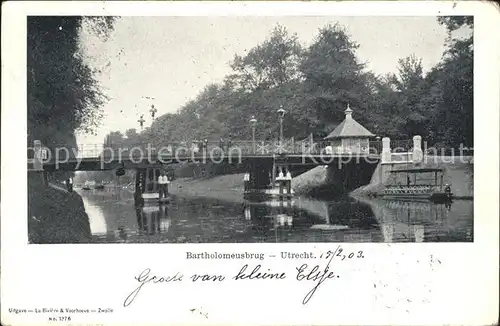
(147, 189)
(419, 188)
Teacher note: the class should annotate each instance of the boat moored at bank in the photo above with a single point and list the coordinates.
(148, 190)
(418, 187)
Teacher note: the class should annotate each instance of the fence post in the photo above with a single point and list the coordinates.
(386, 150)
(417, 149)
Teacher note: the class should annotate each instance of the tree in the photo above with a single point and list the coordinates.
(453, 23)
(453, 85)
(333, 77)
(410, 83)
(453, 119)
(132, 136)
(270, 64)
(63, 95)
(114, 138)
(314, 86)
(383, 116)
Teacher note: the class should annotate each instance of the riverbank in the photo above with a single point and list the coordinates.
(312, 181)
(311, 184)
(55, 215)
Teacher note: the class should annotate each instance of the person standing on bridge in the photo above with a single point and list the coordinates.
(163, 184)
(69, 184)
(205, 146)
(221, 144)
(288, 179)
(246, 181)
(280, 178)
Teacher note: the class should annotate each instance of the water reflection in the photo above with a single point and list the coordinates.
(97, 220)
(406, 221)
(283, 220)
(114, 219)
(152, 219)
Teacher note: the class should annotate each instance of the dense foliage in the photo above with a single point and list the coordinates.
(63, 94)
(314, 85)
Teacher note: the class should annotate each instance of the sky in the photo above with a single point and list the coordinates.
(171, 59)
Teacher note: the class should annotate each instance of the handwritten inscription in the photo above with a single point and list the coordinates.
(144, 278)
(206, 277)
(256, 275)
(339, 252)
(318, 273)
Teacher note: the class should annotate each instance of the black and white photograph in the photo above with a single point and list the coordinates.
(244, 129)
(250, 163)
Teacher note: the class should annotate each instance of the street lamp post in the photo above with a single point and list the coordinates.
(141, 121)
(253, 122)
(153, 111)
(281, 114)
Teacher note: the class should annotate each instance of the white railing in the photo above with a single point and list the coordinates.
(412, 189)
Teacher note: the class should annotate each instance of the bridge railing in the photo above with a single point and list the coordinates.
(89, 150)
(204, 149)
(401, 146)
(444, 150)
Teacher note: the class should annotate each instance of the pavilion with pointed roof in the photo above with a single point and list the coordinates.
(350, 136)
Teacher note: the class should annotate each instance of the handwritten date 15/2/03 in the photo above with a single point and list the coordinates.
(340, 254)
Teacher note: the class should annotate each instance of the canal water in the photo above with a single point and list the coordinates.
(114, 219)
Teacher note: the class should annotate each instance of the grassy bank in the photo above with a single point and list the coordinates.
(55, 216)
(310, 181)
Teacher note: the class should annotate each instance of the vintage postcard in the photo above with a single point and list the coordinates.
(257, 163)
